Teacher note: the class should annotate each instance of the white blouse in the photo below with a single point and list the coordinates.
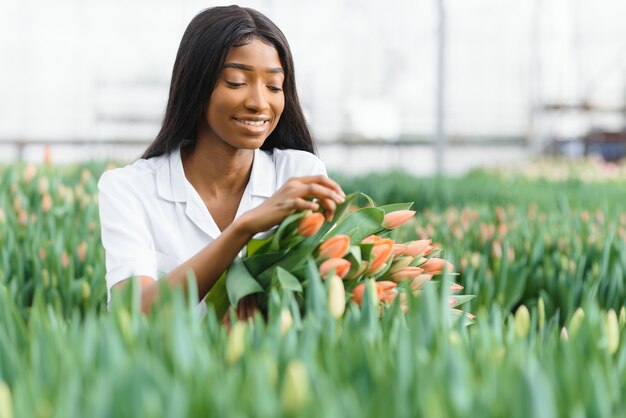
(153, 219)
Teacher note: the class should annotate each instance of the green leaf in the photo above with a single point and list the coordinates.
(218, 297)
(260, 262)
(340, 213)
(256, 245)
(370, 201)
(316, 301)
(396, 206)
(284, 230)
(365, 221)
(239, 282)
(461, 299)
(286, 280)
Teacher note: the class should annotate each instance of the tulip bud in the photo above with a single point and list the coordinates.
(65, 260)
(47, 155)
(381, 252)
(82, 251)
(6, 406)
(466, 314)
(622, 317)
(359, 291)
(522, 321)
(406, 273)
(564, 335)
(612, 331)
(44, 185)
(386, 291)
(236, 342)
(418, 282)
(400, 263)
(22, 217)
(30, 171)
(455, 288)
(371, 239)
(86, 290)
(340, 266)
(295, 393)
(393, 220)
(310, 224)
(399, 249)
(335, 247)
(336, 297)
(286, 321)
(576, 321)
(421, 247)
(437, 266)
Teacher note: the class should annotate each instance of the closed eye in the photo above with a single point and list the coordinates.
(233, 84)
(274, 89)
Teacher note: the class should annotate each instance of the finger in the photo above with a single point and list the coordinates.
(320, 192)
(324, 181)
(303, 204)
(329, 208)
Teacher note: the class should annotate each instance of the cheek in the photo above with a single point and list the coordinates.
(279, 106)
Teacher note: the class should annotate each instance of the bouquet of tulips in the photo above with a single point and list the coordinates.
(340, 261)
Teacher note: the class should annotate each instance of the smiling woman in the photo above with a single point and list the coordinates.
(233, 158)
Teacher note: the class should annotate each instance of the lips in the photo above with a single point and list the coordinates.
(255, 124)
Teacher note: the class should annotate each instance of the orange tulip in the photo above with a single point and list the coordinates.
(406, 273)
(335, 247)
(421, 247)
(418, 282)
(358, 292)
(393, 220)
(455, 288)
(381, 252)
(310, 224)
(437, 265)
(384, 291)
(46, 202)
(340, 266)
(467, 314)
(399, 249)
(372, 239)
(399, 264)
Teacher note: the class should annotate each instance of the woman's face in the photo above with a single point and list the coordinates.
(248, 98)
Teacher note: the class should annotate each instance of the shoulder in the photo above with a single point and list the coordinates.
(138, 176)
(295, 163)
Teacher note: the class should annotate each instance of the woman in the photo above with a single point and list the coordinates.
(233, 158)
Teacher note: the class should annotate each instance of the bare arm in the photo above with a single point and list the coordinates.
(209, 263)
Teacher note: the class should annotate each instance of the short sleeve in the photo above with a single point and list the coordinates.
(295, 163)
(128, 244)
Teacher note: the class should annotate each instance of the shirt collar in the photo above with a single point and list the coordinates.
(172, 183)
(263, 175)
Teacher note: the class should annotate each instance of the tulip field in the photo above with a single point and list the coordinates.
(542, 249)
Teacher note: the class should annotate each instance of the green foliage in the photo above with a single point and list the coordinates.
(546, 262)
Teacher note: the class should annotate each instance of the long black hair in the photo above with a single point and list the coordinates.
(201, 55)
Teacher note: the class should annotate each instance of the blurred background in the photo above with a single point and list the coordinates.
(425, 86)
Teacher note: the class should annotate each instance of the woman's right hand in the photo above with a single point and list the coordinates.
(291, 197)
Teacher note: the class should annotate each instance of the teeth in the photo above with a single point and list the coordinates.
(252, 122)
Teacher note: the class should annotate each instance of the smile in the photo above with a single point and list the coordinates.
(251, 122)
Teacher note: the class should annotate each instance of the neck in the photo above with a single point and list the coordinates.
(216, 171)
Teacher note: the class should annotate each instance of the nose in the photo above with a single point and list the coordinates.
(257, 98)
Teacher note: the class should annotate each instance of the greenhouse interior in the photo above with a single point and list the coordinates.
(312, 209)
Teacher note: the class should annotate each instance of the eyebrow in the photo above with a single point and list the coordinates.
(250, 68)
